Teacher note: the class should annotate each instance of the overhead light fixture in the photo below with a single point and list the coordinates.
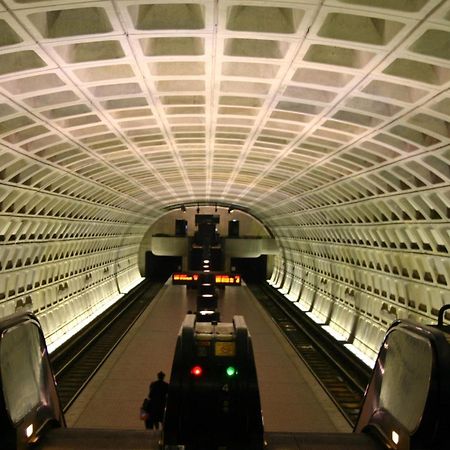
(215, 209)
(230, 210)
(198, 208)
(183, 208)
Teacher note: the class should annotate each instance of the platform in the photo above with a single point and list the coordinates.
(292, 401)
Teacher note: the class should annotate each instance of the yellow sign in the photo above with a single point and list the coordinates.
(227, 279)
(182, 277)
(225, 348)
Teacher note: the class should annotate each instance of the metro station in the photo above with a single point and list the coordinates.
(261, 188)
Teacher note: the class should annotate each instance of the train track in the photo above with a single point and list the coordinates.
(342, 377)
(340, 373)
(75, 363)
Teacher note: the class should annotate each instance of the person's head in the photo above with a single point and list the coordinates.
(161, 375)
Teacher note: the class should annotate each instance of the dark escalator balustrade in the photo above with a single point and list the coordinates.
(213, 399)
(407, 403)
(29, 403)
(31, 416)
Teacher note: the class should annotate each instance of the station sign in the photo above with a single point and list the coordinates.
(220, 279)
(227, 279)
(184, 278)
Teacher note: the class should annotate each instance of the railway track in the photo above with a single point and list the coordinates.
(342, 376)
(75, 363)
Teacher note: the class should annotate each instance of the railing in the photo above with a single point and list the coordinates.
(29, 403)
(407, 402)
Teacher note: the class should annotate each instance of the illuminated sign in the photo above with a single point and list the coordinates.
(184, 278)
(225, 348)
(228, 280)
(222, 279)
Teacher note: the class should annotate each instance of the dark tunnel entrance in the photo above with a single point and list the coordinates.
(159, 268)
(251, 269)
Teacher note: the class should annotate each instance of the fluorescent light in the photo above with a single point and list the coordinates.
(362, 356)
(395, 437)
(55, 340)
(302, 306)
(316, 318)
(29, 430)
(338, 336)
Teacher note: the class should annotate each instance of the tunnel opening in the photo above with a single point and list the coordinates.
(251, 269)
(159, 268)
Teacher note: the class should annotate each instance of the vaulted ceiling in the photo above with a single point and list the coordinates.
(328, 120)
(269, 105)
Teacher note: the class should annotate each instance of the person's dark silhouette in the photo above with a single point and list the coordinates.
(156, 402)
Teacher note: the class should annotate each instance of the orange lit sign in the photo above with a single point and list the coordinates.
(184, 277)
(229, 280)
(223, 279)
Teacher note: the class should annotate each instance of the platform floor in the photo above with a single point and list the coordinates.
(292, 401)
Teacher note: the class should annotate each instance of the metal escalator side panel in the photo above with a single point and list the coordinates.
(407, 399)
(186, 337)
(172, 410)
(29, 400)
(250, 412)
(176, 397)
(214, 397)
(436, 420)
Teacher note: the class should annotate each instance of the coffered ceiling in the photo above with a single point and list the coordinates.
(276, 106)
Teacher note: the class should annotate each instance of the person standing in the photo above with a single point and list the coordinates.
(156, 403)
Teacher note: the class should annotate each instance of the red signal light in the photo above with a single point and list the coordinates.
(197, 371)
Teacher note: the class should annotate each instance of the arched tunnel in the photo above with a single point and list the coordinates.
(327, 121)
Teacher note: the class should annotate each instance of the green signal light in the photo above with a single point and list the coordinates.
(231, 371)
